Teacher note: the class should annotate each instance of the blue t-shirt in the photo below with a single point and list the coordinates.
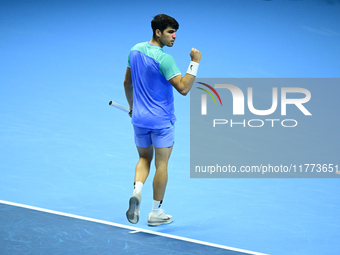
(153, 100)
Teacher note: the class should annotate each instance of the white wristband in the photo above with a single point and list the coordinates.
(192, 69)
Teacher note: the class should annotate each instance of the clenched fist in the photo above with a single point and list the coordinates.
(195, 55)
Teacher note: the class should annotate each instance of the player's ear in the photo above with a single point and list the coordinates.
(158, 32)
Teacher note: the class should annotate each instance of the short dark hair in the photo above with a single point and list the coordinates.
(162, 21)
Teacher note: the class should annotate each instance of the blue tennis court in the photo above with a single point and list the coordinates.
(36, 231)
(67, 158)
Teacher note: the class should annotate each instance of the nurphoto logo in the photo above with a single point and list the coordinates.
(238, 104)
(264, 128)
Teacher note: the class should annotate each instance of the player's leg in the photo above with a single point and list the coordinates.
(163, 142)
(160, 180)
(145, 151)
(157, 217)
(144, 162)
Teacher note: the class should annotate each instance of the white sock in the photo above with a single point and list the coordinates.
(156, 208)
(138, 187)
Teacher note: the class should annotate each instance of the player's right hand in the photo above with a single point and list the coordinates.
(195, 55)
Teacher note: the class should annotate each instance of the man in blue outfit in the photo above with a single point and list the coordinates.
(149, 80)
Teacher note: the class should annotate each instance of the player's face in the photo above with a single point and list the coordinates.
(168, 37)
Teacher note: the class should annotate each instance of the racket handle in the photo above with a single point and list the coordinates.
(118, 106)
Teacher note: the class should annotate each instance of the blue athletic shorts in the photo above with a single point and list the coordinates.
(160, 138)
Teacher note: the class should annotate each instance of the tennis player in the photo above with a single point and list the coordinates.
(150, 77)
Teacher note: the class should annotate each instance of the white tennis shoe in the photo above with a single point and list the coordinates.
(159, 219)
(132, 214)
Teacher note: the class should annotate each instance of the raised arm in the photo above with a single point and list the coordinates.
(184, 84)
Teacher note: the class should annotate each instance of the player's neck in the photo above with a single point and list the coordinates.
(156, 42)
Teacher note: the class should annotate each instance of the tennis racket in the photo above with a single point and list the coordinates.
(119, 106)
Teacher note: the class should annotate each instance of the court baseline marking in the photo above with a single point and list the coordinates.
(133, 229)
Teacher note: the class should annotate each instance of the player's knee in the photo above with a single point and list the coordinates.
(161, 165)
(146, 158)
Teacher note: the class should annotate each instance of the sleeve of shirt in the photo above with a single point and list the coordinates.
(169, 68)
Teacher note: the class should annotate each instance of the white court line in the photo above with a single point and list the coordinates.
(134, 229)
